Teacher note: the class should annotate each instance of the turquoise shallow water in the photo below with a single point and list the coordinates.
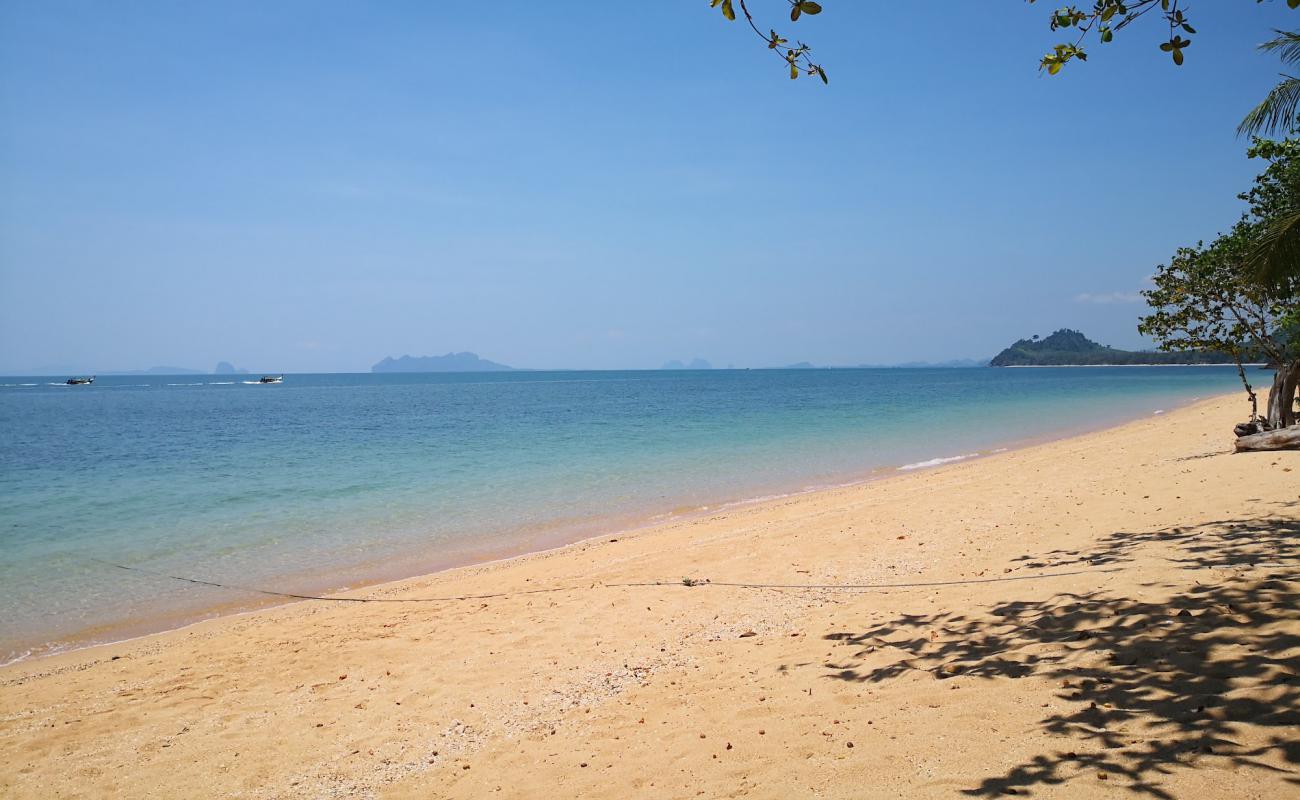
(327, 480)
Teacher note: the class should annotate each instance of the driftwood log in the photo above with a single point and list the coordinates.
(1284, 439)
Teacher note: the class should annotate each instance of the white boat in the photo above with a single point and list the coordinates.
(272, 379)
(81, 381)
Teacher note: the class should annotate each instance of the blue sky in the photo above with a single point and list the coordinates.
(311, 186)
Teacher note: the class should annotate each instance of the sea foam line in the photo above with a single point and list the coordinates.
(934, 462)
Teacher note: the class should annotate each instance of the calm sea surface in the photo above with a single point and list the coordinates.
(329, 480)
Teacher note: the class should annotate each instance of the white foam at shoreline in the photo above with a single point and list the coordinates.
(934, 462)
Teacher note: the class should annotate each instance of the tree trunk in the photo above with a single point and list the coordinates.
(1285, 439)
(1281, 396)
(1290, 381)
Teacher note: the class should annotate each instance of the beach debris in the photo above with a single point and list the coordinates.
(748, 633)
(694, 581)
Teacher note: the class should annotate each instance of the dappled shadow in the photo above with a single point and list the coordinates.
(1227, 543)
(1143, 687)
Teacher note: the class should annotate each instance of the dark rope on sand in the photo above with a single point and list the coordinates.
(293, 596)
(868, 586)
(684, 582)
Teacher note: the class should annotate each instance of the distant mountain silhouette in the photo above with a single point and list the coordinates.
(226, 368)
(696, 363)
(800, 365)
(1071, 348)
(452, 362)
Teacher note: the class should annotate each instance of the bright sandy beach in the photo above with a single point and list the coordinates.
(1106, 614)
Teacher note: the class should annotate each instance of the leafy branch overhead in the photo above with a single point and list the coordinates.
(798, 57)
(1107, 17)
(1104, 20)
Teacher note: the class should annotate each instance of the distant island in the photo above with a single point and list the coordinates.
(452, 362)
(697, 363)
(1071, 348)
(226, 368)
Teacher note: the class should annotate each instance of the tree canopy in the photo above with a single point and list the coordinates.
(1209, 297)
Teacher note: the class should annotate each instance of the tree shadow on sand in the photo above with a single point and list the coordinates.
(1207, 673)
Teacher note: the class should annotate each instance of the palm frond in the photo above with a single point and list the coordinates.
(1286, 45)
(1276, 112)
(1275, 255)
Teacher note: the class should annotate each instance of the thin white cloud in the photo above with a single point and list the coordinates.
(1108, 298)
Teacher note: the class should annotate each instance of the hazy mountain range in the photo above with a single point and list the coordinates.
(451, 362)
(1062, 348)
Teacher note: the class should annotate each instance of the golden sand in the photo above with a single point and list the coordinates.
(1111, 612)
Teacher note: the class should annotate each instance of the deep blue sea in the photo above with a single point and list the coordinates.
(329, 480)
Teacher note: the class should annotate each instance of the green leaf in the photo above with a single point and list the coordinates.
(821, 72)
(810, 7)
(794, 70)
(795, 11)
(728, 11)
(1178, 56)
